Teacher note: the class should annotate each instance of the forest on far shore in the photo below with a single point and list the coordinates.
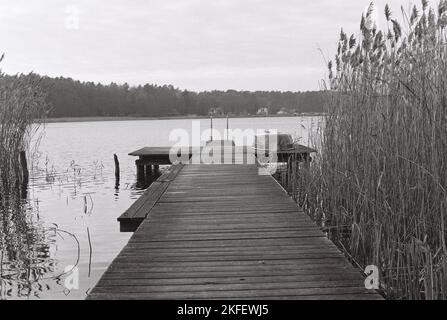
(71, 98)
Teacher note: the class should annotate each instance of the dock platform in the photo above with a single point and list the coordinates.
(227, 232)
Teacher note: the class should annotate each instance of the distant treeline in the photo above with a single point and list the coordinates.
(70, 98)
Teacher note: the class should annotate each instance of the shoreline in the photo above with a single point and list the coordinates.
(130, 118)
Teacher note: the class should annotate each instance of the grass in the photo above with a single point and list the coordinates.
(379, 183)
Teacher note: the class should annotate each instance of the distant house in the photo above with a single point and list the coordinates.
(216, 112)
(282, 112)
(263, 111)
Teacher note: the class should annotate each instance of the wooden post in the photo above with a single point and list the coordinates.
(24, 174)
(148, 171)
(227, 126)
(307, 160)
(117, 171)
(140, 170)
(211, 118)
(24, 166)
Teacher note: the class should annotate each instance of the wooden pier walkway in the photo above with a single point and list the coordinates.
(226, 232)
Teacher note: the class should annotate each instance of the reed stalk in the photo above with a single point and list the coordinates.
(379, 182)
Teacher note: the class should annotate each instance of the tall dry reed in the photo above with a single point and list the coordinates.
(379, 184)
(22, 109)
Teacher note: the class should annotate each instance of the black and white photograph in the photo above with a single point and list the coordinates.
(202, 151)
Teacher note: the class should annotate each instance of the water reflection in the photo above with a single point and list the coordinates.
(25, 250)
(31, 265)
(144, 181)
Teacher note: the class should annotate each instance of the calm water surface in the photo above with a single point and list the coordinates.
(72, 204)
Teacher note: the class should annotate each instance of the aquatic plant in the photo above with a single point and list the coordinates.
(22, 109)
(22, 240)
(379, 183)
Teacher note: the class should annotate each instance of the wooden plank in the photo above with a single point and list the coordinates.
(227, 243)
(270, 284)
(132, 217)
(140, 293)
(234, 268)
(310, 279)
(251, 267)
(226, 274)
(227, 251)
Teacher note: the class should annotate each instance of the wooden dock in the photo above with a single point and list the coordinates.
(226, 232)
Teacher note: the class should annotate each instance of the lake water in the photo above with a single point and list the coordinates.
(72, 204)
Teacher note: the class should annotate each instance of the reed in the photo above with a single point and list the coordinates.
(379, 183)
(22, 110)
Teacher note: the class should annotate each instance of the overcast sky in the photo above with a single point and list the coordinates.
(191, 44)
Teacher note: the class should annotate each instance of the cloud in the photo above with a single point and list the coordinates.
(193, 44)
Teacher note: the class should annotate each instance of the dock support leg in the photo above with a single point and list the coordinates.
(149, 172)
(307, 160)
(140, 171)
